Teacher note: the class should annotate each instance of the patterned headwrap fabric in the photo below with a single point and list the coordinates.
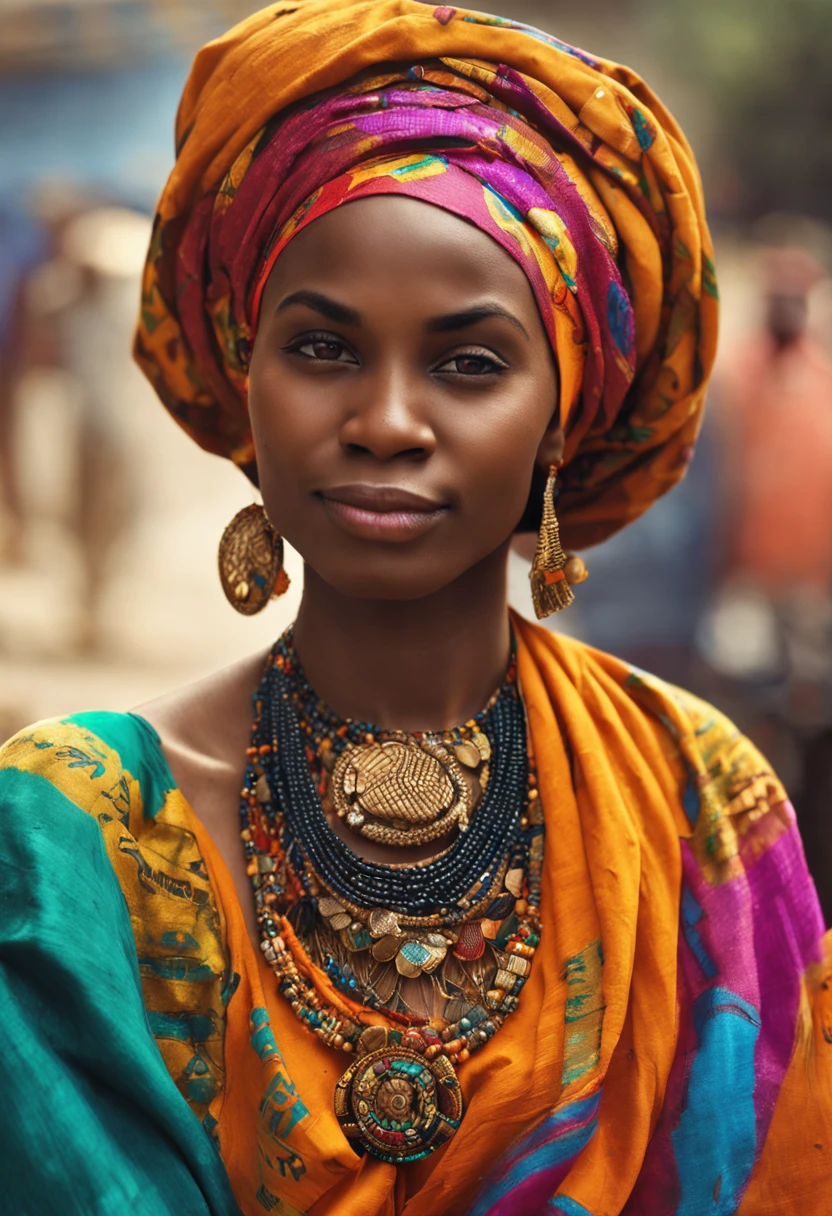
(569, 162)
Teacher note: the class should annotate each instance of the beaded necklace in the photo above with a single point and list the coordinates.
(400, 1098)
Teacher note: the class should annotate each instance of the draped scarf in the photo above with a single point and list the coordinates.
(568, 161)
(671, 1052)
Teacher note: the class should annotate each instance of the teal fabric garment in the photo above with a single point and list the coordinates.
(91, 1122)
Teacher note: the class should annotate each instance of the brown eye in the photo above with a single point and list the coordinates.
(474, 365)
(321, 348)
(471, 363)
(326, 350)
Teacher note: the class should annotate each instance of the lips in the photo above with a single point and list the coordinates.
(373, 512)
(380, 498)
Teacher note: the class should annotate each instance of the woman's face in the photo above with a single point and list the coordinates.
(402, 389)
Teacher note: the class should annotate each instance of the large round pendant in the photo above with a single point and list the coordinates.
(398, 1105)
(401, 792)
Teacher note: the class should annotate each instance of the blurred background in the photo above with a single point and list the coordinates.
(110, 516)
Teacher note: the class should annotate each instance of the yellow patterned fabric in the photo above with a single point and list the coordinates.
(113, 980)
(177, 924)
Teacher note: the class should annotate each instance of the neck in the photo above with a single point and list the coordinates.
(426, 664)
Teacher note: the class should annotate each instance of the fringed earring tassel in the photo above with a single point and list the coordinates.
(551, 591)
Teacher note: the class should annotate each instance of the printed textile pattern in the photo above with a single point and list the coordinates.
(745, 982)
(569, 162)
(180, 936)
(677, 1018)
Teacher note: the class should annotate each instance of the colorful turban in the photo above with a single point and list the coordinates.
(569, 162)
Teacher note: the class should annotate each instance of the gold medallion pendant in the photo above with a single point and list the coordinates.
(402, 791)
(397, 1105)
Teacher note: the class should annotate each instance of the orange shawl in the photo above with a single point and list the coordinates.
(672, 1050)
(611, 936)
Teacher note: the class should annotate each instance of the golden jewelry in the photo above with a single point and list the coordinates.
(552, 571)
(251, 561)
(575, 569)
(403, 791)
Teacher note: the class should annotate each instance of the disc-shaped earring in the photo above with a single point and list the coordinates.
(251, 561)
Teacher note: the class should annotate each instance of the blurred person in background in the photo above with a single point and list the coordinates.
(99, 253)
(511, 927)
(777, 423)
(65, 319)
(23, 246)
(768, 634)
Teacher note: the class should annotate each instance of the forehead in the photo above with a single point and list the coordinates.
(390, 243)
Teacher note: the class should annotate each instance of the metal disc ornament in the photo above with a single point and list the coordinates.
(251, 561)
(397, 1105)
(402, 791)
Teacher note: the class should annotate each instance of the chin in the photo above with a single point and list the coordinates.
(386, 584)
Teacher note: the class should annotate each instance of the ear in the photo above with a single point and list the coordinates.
(552, 444)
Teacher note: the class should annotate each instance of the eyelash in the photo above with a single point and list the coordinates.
(309, 339)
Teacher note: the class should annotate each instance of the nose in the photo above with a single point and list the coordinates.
(388, 419)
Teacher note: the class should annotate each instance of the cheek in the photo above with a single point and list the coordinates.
(497, 451)
(284, 422)
(267, 410)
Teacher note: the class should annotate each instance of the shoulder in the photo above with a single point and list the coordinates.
(735, 805)
(710, 744)
(100, 762)
(94, 828)
(204, 727)
(728, 771)
(71, 791)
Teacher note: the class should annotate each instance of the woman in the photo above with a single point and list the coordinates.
(549, 948)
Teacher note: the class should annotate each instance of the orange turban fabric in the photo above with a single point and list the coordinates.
(570, 162)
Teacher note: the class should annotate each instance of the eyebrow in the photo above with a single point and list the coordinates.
(449, 323)
(326, 306)
(470, 316)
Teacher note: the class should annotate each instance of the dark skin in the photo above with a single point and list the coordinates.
(401, 393)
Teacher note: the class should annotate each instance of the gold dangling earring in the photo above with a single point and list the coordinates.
(251, 561)
(552, 571)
